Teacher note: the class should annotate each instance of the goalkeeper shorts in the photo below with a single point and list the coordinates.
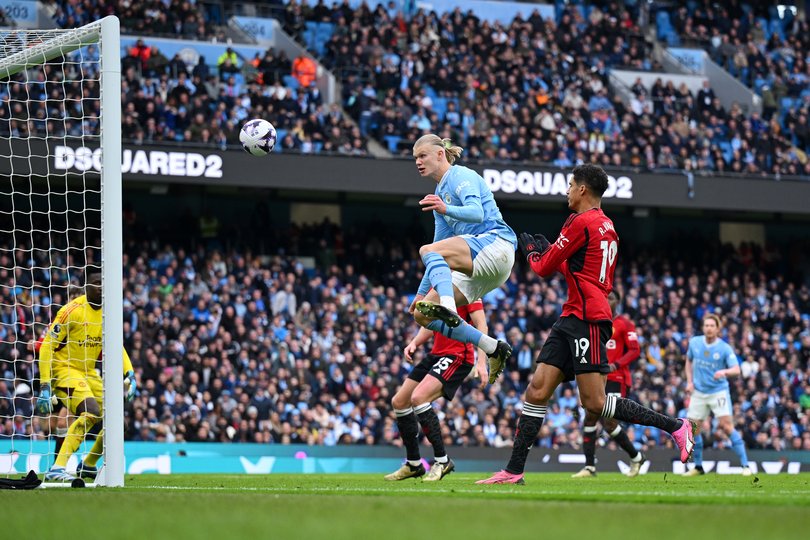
(72, 389)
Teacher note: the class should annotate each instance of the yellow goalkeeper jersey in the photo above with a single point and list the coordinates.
(73, 343)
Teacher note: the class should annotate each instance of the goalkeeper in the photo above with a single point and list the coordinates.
(67, 371)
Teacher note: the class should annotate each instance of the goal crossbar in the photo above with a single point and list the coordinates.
(51, 45)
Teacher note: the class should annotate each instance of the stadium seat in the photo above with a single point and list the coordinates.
(440, 106)
(280, 134)
(393, 142)
(662, 18)
(325, 30)
(776, 28)
(291, 82)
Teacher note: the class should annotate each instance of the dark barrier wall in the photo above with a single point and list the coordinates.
(177, 164)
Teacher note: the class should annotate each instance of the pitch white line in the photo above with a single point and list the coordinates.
(520, 491)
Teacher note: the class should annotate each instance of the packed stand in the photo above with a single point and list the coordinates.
(534, 90)
(167, 100)
(767, 50)
(233, 346)
(183, 19)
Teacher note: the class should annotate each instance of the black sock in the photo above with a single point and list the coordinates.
(589, 445)
(628, 410)
(409, 431)
(621, 438)
(431, 428)
(531, 420)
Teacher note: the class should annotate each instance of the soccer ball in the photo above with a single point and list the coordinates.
(258, 137)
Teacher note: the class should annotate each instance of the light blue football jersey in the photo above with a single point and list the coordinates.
(462, 186)
(706, 360)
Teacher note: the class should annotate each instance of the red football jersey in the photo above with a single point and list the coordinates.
(443, 346)
(585, 252)
(623, 349)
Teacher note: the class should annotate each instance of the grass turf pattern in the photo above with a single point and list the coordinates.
(361, 506)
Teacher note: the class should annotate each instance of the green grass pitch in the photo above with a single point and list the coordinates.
(550, 506)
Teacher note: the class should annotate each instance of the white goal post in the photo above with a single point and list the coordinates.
(91, 54)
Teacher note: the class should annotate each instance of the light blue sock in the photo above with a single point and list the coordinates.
(465, 333)
(697, 453)
(439, 274)
(738, 445)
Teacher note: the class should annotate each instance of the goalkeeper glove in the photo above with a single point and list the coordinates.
(44, 405)
(533, 246)
(132, 389)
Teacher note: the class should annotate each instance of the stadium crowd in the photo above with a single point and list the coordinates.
(546, 98)
(184, 19)
(768, 52)
(305, 346)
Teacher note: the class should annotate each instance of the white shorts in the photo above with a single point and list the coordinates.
(493, 258)
(700, 405)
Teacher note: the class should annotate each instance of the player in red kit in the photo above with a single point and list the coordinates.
(447, 365)
(576, 348)
(622, 350)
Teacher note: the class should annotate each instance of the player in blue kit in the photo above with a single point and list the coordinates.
(709, 363)
(472, 252)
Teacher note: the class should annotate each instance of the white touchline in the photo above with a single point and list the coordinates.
(521, 491)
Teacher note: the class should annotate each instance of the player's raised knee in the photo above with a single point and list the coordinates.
(424, 250)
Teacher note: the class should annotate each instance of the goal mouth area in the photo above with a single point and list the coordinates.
(59, 88)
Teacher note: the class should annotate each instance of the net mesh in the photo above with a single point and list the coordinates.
(50, 218)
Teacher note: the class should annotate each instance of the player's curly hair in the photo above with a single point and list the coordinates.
(451, 152)
(592, 176)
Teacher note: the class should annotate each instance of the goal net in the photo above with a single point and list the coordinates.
(60, 222)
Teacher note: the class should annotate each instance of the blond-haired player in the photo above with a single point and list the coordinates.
(67, 361)
(472, 252)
